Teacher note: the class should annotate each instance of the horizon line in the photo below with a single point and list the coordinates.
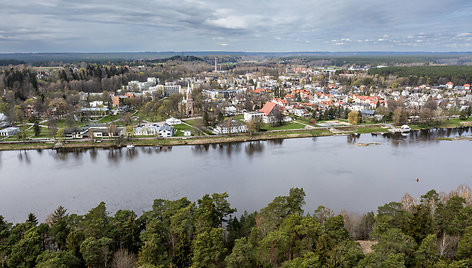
(229, 51)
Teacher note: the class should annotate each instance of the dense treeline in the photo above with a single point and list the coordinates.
(389, 60)
(436, 75)
(11, 62)
(181, 58)
(433, 231)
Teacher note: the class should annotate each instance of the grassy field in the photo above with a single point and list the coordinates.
(306, 120)
(451, 123)
(286, 126)
(181, 128)
(193, 122)
(109, 118)
(240, 118)
(43, 134)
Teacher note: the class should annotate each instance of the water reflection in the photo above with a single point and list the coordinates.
(132, 178)
(276, 141)
(23, 156)
(352, 138)
(199, 149)
(66, 154)
(254, 147)
(229, 148)
(93, 154)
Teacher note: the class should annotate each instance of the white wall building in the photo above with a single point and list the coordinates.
(248, 116)
(9, 131)
(3, 120)
(230, 126)
(166, 131)
(173, 121)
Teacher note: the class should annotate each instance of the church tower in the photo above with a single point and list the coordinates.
(189, 101)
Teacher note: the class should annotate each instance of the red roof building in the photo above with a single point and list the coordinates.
(269, 108)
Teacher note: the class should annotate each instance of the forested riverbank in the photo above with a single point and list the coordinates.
(433, 230)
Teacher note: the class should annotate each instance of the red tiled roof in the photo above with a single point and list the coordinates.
(268, 107)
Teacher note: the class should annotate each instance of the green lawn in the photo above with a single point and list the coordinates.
(148, 118)
(451, 123)
(240, 118)
(193, 122)
(109, 118)
(286, 126)
(181, 128)
(43, 134)
(306, 120)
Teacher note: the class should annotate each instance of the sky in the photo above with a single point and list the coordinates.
(235, 25)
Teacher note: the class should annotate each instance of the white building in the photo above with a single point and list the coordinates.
(300, 112)
(146, 130)
(142, 86)
(166, 131)
(94, 104)
(173, 121)
(248, 116)
(9, 131)
(230, 110)
(3, 120)
(230, 126)
(172, 88)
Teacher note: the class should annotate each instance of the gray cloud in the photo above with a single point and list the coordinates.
(245, 25)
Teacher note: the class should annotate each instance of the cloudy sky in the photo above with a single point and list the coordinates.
(235, 25)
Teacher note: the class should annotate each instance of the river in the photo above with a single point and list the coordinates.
(333, 171)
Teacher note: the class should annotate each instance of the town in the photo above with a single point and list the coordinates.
(188, 97)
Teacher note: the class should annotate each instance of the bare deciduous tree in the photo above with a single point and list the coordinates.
(447, 245)
(408, 202)
(123, 259)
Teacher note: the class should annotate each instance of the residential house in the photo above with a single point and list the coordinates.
(3, 120)
(230, 126)
(166, 131)
(96, 104)
(94, 111)
(102, 130)
(367, 113)
(270, 110)
(9, 131)
(230, 110)
(75, 132)
(173, 121)
(248, 116)
(149, 129)
(450, 85)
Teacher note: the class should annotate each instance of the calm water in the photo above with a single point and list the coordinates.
(332, 170)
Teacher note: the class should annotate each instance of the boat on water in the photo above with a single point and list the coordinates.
(405, 128)
(130, 146)
(402, 129)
